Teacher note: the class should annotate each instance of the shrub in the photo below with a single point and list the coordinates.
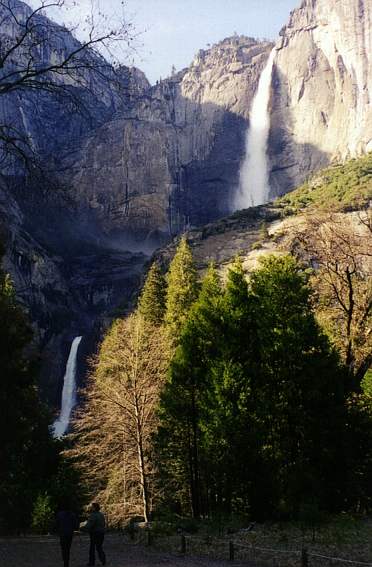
(42, 514)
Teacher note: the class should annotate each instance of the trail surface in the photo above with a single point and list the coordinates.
(45, 552)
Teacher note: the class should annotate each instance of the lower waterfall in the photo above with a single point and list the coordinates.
(69, 391)
(254, 176)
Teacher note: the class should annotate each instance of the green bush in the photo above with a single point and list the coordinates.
(42, 514)
(340, 187)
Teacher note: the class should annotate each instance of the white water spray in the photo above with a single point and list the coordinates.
(254, 176)
(69, 391)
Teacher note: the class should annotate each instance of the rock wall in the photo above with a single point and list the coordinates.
(66, 279)
(85, 96)
(65, 275)
(146, 163)
(322, 89)
(173, 159)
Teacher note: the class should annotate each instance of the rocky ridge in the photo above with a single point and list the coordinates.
(151, 162)
(342, 192)
(322, 89)
(173, 158)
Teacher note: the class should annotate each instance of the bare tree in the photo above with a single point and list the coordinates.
(114, 428)
(38, 55)
(339, 247)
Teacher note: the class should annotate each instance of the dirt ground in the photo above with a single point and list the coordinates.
(45, 552)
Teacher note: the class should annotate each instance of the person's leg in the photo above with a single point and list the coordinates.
(92, 555)
(68, 549)
(65, 548)
(99, 544)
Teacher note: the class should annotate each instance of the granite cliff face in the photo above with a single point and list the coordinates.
(52, 120)
(322, 89)
(66, 279)
(145, 163)
(64, 275)
(138, 165)
(172, 159)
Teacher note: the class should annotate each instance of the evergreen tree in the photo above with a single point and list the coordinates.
(228, 437)
(252, 417)
(151, 304)
(27, 454)
(299, 395)
(182, 401)
(182, 289)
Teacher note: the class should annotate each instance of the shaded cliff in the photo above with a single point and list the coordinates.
(138, 164)
(53, 90)
(65, 275)
(172, 160)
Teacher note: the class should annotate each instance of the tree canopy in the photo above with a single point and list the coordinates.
(246, 402)
(254, 394)
(28, 455)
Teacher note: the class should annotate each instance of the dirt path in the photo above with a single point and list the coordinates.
(45, 552)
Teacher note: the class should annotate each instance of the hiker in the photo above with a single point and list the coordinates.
(67, 523)
(95, 526)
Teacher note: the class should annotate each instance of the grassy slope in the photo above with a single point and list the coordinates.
(340, 188)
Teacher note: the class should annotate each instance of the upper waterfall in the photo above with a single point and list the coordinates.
(254, 175)
(69, 391)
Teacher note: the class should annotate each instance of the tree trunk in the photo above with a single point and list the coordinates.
(141, 464)
(195, 454)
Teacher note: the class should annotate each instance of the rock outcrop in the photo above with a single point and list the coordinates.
(172, 160)
(322, 89)
(146, 163)
(57, 111)
(65, 275)
(339, 194)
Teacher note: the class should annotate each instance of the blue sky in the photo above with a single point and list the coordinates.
(170, 32)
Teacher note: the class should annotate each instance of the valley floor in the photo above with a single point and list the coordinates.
(45, 552)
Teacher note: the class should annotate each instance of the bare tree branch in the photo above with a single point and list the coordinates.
(37, 55)
(113, 430)
(339, 245)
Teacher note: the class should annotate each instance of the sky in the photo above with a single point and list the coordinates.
(170, 32)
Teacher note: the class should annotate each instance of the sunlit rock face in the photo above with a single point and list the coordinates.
(172, 160)
(322, 89)
(149, 162)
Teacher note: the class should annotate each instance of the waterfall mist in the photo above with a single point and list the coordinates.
(254, 176)
(69, 391)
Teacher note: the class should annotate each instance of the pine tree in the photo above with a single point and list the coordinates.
(27, 453)
(179, 436)
(253, 414)
(151, 304)
(228, 414)
(299, 395)
(182, 289)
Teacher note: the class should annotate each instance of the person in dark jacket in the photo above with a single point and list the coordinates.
(96, 526)
(67, 523)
